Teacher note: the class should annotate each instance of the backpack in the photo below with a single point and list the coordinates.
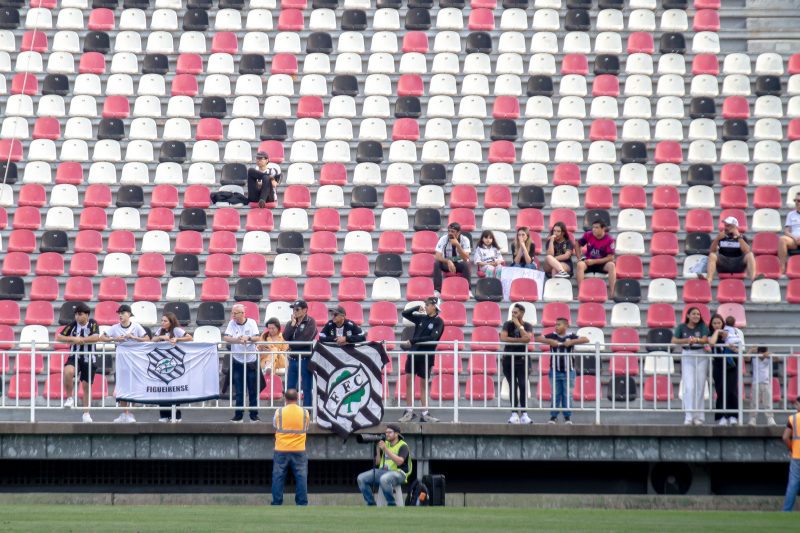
(417, 494)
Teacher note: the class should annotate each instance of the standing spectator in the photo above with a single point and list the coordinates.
(791, 437)
(523, 250)
(560, 249)
(262, 181)
(172, 332)
(730, 252)
(82, 333)
(291, 425)
(562, 367)
(724, 370)
(790, 240)
(241, 333)
(273, 360)
(452, 256)
(487, 256)
(428, 328)
(392, 467)
(125, 331)
(341, 331)
(761, 392)
(692, 335)
(302, 327)
(599, 258)
(517, 334)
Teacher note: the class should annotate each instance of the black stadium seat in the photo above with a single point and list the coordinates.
(427, 219)
(579, 4)
(489, 290)
(155, 64)
(344, 85)
(252, 64)
(515, 4)
(369, 152)
(606, 64)
(390, 265)
(700, 174)
(622, 389)
(577, 20)
(675, 4)
(633, 152)
(416, 19)
(697, 243)
(479, 42)
(9, 18)
(136, 4)
(172, 152)
(702, 107)
(248, 289)
(8, 172)
(425, 4)
(611, 4)
(658, 339)
(111, 128)
(274, 129)
(181, 310)
(130, 196)
(231, 4)
(319, 42)
(364, 196)
(354, 20)
(673, 43)
(54, 241)
(12, 288)
(290, 242)
(595, 215)
(768, 86)
(504, 130)
(210, 314)
(97, 41)
(195, 20)
(407, 107)
(193, 219)
(432, 174)
(540, 85)
(213, 107)
(530, 196)
(67, 313)
(109, 4)
(55, 84)
(234, 174)
(383, 4)
(199, 4)
(735, 130)
(627, 290)
(458, 4)
(185, 266)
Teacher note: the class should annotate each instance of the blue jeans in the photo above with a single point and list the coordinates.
(793, 486)
(298, 463)
(531, 265)
(238, 372)
(562, 397)
(305, 374)
(387, 480)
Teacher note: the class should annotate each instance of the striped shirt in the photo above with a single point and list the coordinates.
(82, 351)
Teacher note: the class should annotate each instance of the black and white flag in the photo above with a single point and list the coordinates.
(349, 385)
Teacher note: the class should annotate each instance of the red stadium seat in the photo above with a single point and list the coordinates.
(19, 387)
(355, 265)
(24, 83)
(696, 291)
(400, 390)
(11, 150)
(222, 242)
(530, 218)
(543, 388)
(219, 266)
(421, 265)
(640, 43)
(661, 266)
(585, 389)
(69, 173)
(453, 313)
(598, 197)
(284, 64)
(606, 85)
(733, 197)
(506, 107)
(628, 338)
(47, 128)
(592, 290)
(629, 267)
(97, 195)
(164, 196)
(455, 288)
(624, 365)
(405, 129)
(575, 64)
(83, 264)
(660, 315)
(378, 333)
(567, 174)
(794, 64)
(768, 266)
(54, 388)
(189, 64)
(89, 241)
(399, 196)
(27, 217)
(32, 194)
(189, 242)
(555, 310)
(50, 264)
(699, 220)
(147, 290)
(736, 107)
(669, 152)
(317, 290)
(484, 363)
(524, 290)
(92, 218)
(706, 20)
(113, 289)
(481, 20)
(419, 289)
(320, 265)
(9, 313)
(603, 129)
(383, 314)
(259, 220)
(333, 174)
(361, 219)
(497, 196)
(226, 219)
(765, 244)
(310, 107)
(567, 216)
(666, 197)
(273, 388)
(707, 4)
(463, 216)
(252, 266)
(323, 242)
(283, 290)
(116, 107)
(415, 41)
(160, 218)
(480, 387)
(209, 129)
(410, 85)
(665, 220)
(151, 266)
(731, 290)
(664, 243)
(106, 313)
(44, 288)
(225, 42)
(705, 64)
(767, 197)
(424, 242)
(591, 314)
(392, 242)
(733, 174)
(354, 310)
(101, 19)
(215, 290)
(326, 219)
(79, 289)
(39, 313)
(502, 152)
(16, 264)
(354, 289)
(99, 388)
(658, 388)
(486, 314)
(21, 240)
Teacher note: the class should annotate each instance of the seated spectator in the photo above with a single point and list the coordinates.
(761, 393)
(790, 240)
(487, 256)
(272, 358)
(262, 181)
(452, 256)
(558, 263)
(730, 252)
(523, 250)
(599, 257)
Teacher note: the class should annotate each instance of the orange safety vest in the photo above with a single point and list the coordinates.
(795, 437)
(291, 424)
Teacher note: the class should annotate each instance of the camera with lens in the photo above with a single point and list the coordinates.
(367, 438)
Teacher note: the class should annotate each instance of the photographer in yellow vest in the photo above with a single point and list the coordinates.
(791, 437)
(291, 425)
(392, 467)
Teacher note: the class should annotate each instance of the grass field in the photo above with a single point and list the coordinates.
(219, 519)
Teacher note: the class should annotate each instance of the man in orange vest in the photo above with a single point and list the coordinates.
(291, 425)
(791, 436)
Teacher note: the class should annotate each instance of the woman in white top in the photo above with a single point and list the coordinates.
(487, 256)
(170, 331)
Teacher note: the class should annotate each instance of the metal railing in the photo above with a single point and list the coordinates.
(459, 377)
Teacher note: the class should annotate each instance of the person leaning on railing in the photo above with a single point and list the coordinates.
(272, 357)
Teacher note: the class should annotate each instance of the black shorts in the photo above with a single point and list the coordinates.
(596, 269)
(83, 368)
(423, 362)
(730, 265)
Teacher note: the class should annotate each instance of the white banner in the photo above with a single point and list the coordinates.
(162, 372)
(509, 274)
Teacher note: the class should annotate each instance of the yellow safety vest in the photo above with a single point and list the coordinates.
(795, 437)
(389, 464)
(291, 424)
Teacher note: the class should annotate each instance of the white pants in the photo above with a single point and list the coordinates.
(761, 399)
(694, 374)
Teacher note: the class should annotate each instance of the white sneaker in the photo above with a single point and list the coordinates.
(687, 421)
(697, 421)
(723, 422)
(131, 418)
(121, 419)
(733, 421)
(87, 418)
(561, 274)
(514, 418)
(525, 419)
(163, 420)
(752, 422)
(69, 403)
(771, 422)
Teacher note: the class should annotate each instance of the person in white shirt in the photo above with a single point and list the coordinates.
(241, 333)
(488, 257)
(452, 256)
(790, 240)
(761, 393)
(120, 333)
(171, 332)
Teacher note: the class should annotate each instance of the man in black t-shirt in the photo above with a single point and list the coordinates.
(562, 367)
(730, 252)
(81, 334)
(262, 181)
(517, 333)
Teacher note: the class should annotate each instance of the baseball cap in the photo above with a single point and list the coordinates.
(434, 301)
(259, 155)
(299, 304)
(123, 308)
(339, 310)
(454, 225)
(732, 221)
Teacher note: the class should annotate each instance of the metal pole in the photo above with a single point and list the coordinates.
(597, 383)
(740, 384)
(33, 382)
(456, 387)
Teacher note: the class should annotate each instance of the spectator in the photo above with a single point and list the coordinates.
(523, 250)
(262, 181)
(291, 425)
(692, 335)
(725, 346)
(302, 327)
(428, 328)
(452, 256)
(517, 334)
(562, 367)
(241, 333)
(170, 331)
(392, 467)
(599, 258)
(791, 437)
(125, 331)
(341, 331)
(558, 263)
(273, 360)
(730, 252)
(487, 256)
(82, 333)
(761, 392)
(790, 240)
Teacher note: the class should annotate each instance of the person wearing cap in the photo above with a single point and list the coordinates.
(393, 467)
(241, 333)
(300, 333)
(262, 181)
(452, 256)
(81, 334)
(790, 240)
(341, 331)
(730, 252)
(428, 329)
(125, 331)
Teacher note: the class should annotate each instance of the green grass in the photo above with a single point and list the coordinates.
(219, 519)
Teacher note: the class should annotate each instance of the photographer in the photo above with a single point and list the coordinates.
(392, 467)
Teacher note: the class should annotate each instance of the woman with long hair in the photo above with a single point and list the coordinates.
(523, 250)
(170, 331)
(692, 336)
(487, 256)
(558, 263)
(724, 370)
(272, 357)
